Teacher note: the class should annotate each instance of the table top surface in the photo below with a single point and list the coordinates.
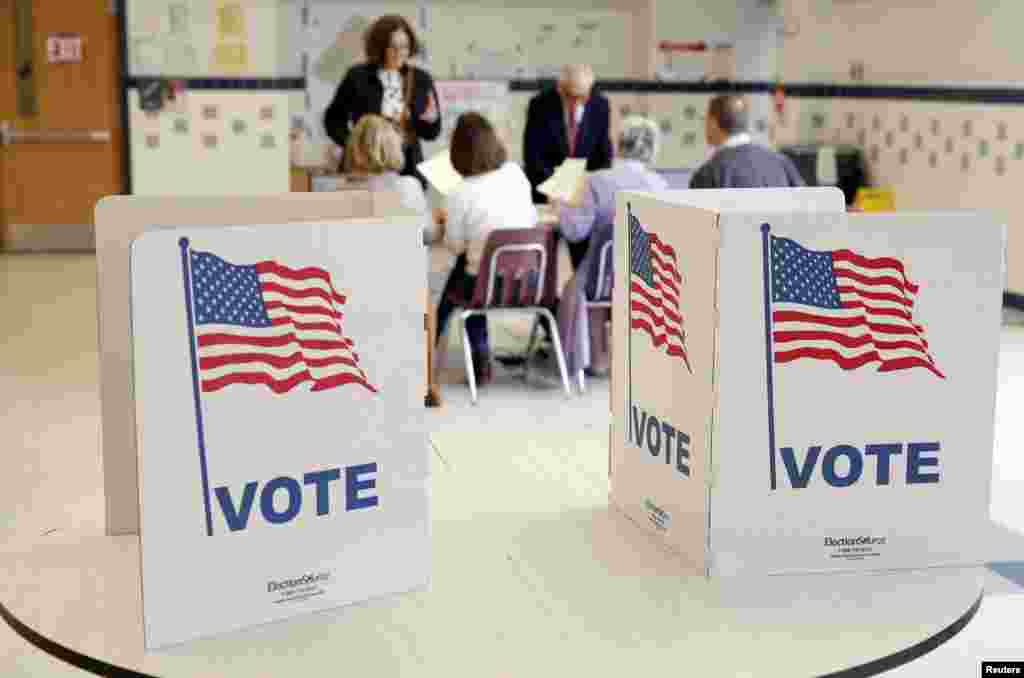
(532, 573)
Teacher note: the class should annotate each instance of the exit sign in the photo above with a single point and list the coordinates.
(64, 48)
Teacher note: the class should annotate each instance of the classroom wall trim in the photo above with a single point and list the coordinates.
(821, 90)
(255, 84)
(952, 94)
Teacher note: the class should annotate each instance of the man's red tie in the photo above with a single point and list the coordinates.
(572, 127)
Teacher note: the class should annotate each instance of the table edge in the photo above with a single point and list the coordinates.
(66, 654)
(871, 668)
(915, 651)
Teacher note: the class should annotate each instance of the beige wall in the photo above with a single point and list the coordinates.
(904, 40)
(897, 41)
(933, 155)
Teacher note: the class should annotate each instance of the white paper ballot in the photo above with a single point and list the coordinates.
(440, 173)
(566, 183)
(826, 170)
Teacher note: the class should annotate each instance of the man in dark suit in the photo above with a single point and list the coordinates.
(738, 162)
(568, 121)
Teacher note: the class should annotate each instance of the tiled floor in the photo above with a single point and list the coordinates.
(51, 482)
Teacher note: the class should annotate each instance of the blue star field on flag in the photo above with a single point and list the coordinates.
(227, 294)
(802, 276)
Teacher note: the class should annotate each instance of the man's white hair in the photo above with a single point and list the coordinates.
(577, 76)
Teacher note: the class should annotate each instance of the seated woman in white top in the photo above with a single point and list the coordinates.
(373, 158)
(494, 194)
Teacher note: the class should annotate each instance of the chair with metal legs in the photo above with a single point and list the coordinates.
(516, 276)
(602, 291)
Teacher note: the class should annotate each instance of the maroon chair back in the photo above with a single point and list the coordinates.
(518, 268)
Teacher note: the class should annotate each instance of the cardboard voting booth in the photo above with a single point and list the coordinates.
(803, 390)
(298, 489)
(119, 220)
(283, 461)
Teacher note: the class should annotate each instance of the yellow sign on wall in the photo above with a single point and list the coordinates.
(230, 20)
(231, 52)
(874, 200)
(231, 58)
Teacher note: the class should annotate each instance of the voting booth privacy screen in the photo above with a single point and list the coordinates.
(804, 390)
(283, 464)
(120, 220)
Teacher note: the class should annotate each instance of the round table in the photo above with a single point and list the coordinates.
(533, 574)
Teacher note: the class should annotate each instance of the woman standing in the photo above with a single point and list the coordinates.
(389, 86)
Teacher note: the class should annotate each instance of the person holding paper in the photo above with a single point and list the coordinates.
(439, 172)
(493, 194)
(737, 162)
(582, 333)
(388, 85)
(566, 183)
(568, 121)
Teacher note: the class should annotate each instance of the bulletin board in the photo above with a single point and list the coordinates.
(461, 42)
(211, 143)
(190, 130)
(213, 38)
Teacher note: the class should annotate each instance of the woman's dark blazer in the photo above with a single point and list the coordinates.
(361, 92)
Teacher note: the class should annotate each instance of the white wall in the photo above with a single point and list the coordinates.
(934, 155)
(905, 40)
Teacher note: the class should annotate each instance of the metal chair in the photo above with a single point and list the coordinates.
(598, 292)
(518, 274)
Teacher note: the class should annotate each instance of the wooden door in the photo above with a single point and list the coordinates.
(57, 160)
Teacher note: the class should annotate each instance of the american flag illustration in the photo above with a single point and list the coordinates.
(269, 324)
(654, 288)
(841, 306)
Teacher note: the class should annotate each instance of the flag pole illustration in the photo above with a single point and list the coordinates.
(262, 325)
(837, 306)
(655, 288)
(185, 269)
(629, 333)
(766, 260)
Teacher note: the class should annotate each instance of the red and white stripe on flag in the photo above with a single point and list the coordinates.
(303, 340)
(873, 324)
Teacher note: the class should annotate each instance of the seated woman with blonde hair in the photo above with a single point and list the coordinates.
(580, 332)
(373, 158)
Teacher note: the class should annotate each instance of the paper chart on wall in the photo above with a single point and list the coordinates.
(198, 39)
(461, 96)
(231, 51)
(160, 39)
(529, 43)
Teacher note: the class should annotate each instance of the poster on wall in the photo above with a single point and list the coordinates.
(280, 424)
(461, 96)
(524, 42)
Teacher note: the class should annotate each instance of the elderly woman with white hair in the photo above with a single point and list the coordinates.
(582, 333)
